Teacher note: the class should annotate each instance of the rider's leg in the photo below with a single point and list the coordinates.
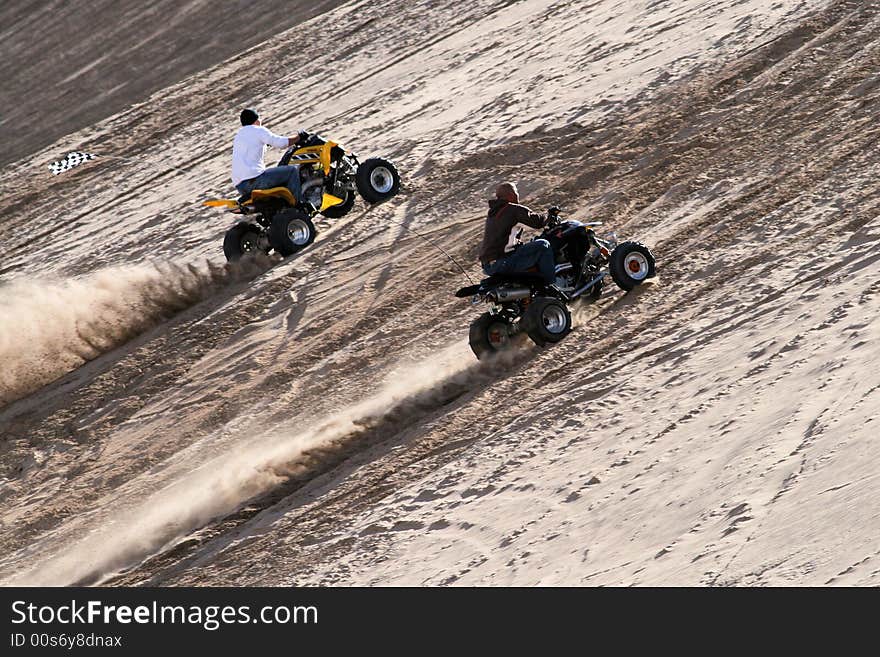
(535, 253)
(495, 268)
(286, 176)
(546, 261)
(245, 187)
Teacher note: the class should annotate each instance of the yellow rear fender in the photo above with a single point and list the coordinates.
(256, 195)
(278, 192)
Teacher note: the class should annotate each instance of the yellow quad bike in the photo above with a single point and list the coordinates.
(330, 177)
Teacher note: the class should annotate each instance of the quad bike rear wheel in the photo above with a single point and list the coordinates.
(337, 211)
(291, 230)
(241, 240)
(377, 180)
(546, 320)
(489, 335)
(630, 264)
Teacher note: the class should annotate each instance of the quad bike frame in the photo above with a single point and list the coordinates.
(331, 177)
(520, 303)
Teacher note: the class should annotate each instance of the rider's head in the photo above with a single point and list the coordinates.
(507, 191)
(249, 117)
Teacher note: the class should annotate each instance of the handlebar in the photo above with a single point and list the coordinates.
(310, 139)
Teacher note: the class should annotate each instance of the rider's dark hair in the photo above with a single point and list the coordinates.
(249, 117)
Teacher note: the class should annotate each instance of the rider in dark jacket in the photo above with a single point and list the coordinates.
(499, 253)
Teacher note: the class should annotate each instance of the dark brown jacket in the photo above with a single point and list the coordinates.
(499, 237)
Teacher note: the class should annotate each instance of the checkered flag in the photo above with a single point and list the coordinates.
(72, 159)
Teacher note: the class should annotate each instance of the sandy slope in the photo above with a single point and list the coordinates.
(324, 421)
(66, 65)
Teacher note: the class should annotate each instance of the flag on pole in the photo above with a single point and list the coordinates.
(72, 159)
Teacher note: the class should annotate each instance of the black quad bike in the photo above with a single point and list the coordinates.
(521, 303)
(331, 178)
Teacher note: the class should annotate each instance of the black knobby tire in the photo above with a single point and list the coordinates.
(338, 211)
(377, 180)
(241, 240)
(546, 320)
(291, 230)
(489, 335)
(630, 264)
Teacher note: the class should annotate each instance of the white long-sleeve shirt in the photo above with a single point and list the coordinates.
(248, 149)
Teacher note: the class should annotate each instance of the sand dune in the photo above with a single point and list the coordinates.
(94, 59)
(263, 464)
(323, 422)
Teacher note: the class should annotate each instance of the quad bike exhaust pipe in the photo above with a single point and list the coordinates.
(510, 294)
(513, 294)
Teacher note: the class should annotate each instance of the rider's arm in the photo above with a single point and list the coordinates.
(277, 141)
(521, 214)
(298, 138)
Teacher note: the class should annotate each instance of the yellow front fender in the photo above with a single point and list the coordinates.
(314, 155)
(329, 201)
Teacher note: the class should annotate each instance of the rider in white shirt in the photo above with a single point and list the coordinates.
(249, 172)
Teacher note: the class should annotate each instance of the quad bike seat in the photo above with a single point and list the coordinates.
(523, 277)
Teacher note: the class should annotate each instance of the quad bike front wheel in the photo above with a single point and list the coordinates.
(546, 320)
(630, 264)
(337, 211)
(241, 240)
(377, 180)
(291, 230)
(489, 335)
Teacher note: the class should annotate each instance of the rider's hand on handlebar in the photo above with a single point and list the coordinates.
(552, 215)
